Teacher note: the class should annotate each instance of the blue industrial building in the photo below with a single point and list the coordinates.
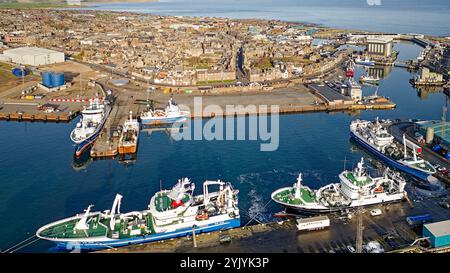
(438, 232)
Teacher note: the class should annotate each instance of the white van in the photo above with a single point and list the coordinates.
(375, 212)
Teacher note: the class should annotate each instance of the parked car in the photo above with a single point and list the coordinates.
(375, 212)
(390, 240)
(351, 249)
(224, 239)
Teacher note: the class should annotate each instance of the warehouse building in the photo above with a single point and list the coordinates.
(439, 233)
(34, 56)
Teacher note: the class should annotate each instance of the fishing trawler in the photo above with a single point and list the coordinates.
(170, 115)
(170, 213)
(374, 137)
(365, 62)
(129, 137)
(369, 80)
(356, 189)
(91, 123)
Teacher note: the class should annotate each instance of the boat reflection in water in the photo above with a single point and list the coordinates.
(171, 130)
(127, 159)
(82, 162)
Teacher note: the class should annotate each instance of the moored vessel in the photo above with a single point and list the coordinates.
(91, 123)
(355, 189)
(171, 114)
(170, 213)
(129, 136)
(365, 61)
(369, 80)
(374, 137)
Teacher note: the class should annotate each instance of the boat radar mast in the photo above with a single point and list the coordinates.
(81, 225)
(116, 206)
(298, 187)
(360, 172)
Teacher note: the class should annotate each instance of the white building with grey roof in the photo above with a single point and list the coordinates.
(34, 56)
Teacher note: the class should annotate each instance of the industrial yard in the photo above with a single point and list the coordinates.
(283, 236)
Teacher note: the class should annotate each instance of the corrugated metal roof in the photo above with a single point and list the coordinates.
(439, 228)
(30, 51)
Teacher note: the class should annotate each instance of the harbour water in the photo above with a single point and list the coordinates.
(40, 182)
(373, 15)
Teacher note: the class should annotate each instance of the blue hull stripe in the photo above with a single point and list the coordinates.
(148, 238)
(88, 141)
(391, 162)
(162, 120)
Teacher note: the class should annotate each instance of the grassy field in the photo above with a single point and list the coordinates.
(32, 5)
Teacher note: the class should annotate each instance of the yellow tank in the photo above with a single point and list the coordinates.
(166, 90)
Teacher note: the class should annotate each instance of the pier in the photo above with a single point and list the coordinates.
(290, 100)
(284, 237)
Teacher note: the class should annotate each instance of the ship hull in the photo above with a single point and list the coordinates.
(86, 143)
(127, 149)
(111, 243)
(365, 63)
(391, 162)
(162, 120)
(313, 211)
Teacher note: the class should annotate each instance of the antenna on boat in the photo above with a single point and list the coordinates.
(160, 185)
(298, 186)
(404, 146)
(345, 162)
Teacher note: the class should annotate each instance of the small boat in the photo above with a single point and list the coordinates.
(369, 80)
(365, 61)
(170, 115)
(129, 137)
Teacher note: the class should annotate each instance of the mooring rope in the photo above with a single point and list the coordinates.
(25, 245)
(254, 217)
(18, 244)
(246, 213)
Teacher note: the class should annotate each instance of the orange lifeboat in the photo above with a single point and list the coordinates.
(380, 189)
(203, 216)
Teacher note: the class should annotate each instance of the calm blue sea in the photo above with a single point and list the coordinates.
(40, 184)
(399, 16)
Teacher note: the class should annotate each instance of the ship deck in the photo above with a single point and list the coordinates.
(356, 182)
(163, 202)
(287, 196)
(99, 227)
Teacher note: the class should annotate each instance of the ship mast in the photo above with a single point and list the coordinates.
(404, 146)
(116, 205)
(298, 187)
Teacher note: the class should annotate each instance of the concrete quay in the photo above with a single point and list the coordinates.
(291, 99)
(283, 236)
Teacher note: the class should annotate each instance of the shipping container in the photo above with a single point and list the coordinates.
(419, 219)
